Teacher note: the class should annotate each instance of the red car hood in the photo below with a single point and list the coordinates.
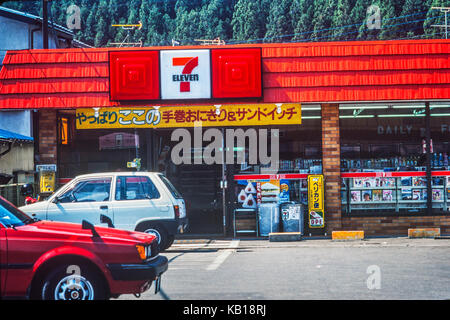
(70, 230)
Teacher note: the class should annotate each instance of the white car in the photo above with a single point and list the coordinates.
(141, 201)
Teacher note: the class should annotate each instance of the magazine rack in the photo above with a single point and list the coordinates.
(397, 193)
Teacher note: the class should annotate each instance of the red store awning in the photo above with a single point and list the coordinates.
(402, 70)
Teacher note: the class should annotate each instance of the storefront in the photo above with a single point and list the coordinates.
(373, 122)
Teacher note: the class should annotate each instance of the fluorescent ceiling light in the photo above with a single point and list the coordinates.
(400, 115)
(311, 108)
(311, 117)
(359, 116)
(362, 107)
(408, 107)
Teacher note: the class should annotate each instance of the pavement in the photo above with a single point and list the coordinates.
(375, 268)
(249, 243)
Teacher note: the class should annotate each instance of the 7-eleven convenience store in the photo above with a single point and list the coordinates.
(372, 117)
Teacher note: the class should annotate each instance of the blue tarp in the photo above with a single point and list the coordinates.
(8, 135)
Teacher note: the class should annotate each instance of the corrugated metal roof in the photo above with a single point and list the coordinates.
(296, 72)
(12, 136)
(30, 18)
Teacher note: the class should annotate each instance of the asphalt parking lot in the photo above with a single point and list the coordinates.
(240, 269)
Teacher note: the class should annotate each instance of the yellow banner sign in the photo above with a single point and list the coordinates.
(183, 116)
(315, 192)
(316, 201)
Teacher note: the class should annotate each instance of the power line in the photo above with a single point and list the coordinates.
(385, 27)
(322, 30)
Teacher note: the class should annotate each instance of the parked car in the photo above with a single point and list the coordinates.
(68, 261)
(141, 201)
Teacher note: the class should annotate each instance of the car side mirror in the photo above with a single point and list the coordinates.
(89, 226)
(107, 220)
(55, 199)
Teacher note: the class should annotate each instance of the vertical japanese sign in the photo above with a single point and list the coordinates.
(316, 201)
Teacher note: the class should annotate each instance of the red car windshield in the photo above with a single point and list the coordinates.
(10, 216)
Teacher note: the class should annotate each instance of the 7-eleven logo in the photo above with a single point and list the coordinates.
(186, 76)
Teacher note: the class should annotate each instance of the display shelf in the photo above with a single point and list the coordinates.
(373, 202)
(400, 191)
(377, 188)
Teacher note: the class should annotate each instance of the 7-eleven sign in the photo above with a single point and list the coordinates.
(185, 74)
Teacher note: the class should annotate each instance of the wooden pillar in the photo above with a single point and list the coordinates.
(331, 163)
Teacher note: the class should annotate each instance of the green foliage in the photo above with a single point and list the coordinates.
(245, 21)
(279, 25)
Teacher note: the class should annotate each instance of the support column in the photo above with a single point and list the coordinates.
(331, 164)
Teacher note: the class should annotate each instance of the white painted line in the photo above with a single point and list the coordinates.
(223, 256)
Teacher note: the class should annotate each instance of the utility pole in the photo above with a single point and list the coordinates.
(45, 24)
(446, 10)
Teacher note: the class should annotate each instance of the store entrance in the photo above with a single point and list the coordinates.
(199, 184)
(200, 187)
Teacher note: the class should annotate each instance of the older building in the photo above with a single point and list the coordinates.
(22, 31)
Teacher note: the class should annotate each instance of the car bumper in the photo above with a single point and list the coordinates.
(139, 272)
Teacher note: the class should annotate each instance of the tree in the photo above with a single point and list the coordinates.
(322, 20)
(414, 11)
(301, 13)
(341, 23)
(102, 23)
(279, 26)
(249, 20)
(374, 20)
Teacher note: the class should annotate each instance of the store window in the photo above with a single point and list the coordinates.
(101, 150)
(384, 161)
(300, 154)
(439, 158)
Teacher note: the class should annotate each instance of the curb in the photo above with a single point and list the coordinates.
(424, 232)
(284, 236)
(347, 235)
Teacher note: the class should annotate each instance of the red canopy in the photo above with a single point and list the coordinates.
(400, 70)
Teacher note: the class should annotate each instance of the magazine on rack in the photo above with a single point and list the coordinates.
(377, 195)
(437, 194)
(356, 196)
(406, 181)
(424, 194)
(357, 182)
(368, 183)
(367, 195)
(388, 182)
(419, 181)
(417, 194)
(387, 195)
(406, 194)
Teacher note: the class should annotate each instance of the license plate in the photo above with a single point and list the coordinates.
(157, 285)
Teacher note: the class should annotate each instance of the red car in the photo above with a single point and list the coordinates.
(68, 261)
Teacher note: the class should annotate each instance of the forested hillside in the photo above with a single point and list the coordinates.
(246, 21)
